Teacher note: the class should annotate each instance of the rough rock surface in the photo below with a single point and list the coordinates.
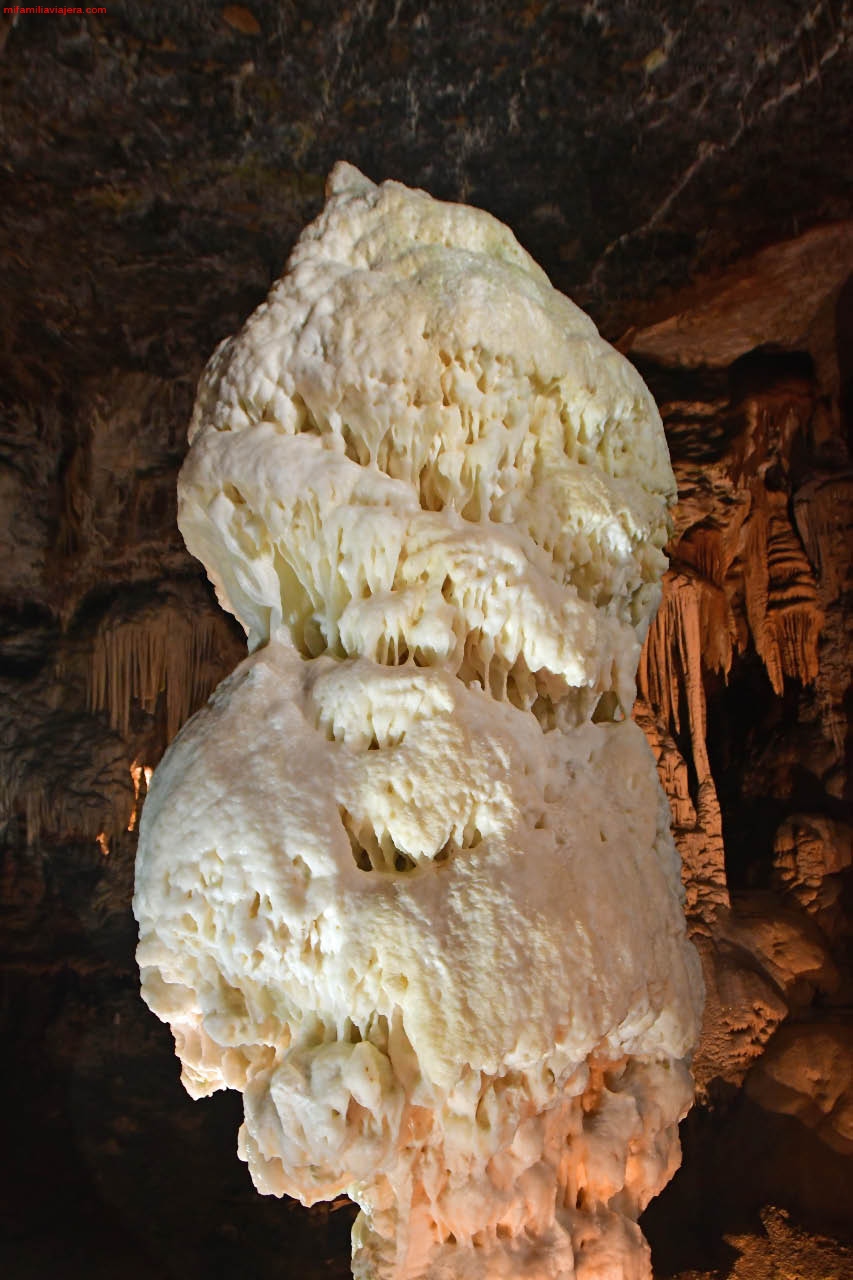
(436, 500)
(158, 161)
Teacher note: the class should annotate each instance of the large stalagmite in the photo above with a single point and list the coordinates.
(408, 881)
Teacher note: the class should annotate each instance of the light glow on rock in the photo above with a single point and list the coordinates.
(140, 776)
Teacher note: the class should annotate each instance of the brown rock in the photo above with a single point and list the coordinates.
(786, 1251)
(241, 19)
(743, 1008)
(811, 854)
(783, 297)
(787, 946)
(807, 1072)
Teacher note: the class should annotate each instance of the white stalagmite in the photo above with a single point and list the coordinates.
(407, 882)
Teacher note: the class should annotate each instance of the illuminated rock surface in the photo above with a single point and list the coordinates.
(431, 925)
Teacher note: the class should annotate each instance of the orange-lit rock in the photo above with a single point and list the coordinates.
(783, 296)
(811, 855)
(807, 1072)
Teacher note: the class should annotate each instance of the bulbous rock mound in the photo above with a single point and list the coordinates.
(407, 882)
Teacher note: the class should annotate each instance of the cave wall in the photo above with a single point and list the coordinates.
(684, 173)
(745, 697)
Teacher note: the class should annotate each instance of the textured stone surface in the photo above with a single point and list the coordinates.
(158, 163)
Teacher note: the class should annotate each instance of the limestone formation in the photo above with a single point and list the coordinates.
(408, 882)
(161, 160)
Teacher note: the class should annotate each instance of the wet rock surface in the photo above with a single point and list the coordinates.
(684, 174)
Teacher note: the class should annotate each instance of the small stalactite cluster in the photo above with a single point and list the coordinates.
(739, 577)
(823, 512)
(692, 633)
(780, 595)
(152, 651)
(86, 732)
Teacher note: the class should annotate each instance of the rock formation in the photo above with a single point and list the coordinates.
(435, 500)
(683, 170)
(744, 699)
(755, 604)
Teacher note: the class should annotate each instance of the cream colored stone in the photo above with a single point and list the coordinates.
(408, 882)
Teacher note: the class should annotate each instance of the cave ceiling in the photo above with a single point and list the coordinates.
(159, 159)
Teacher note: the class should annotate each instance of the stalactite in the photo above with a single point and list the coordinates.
(739, 573)
(56, 799)
(780, 594)
(823, 511)
(693, 632)
(672, 769)
(63, 774)
(696, 631)
(756, 580)
(161, 648)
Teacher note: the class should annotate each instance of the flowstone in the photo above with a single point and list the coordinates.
(407, 882)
